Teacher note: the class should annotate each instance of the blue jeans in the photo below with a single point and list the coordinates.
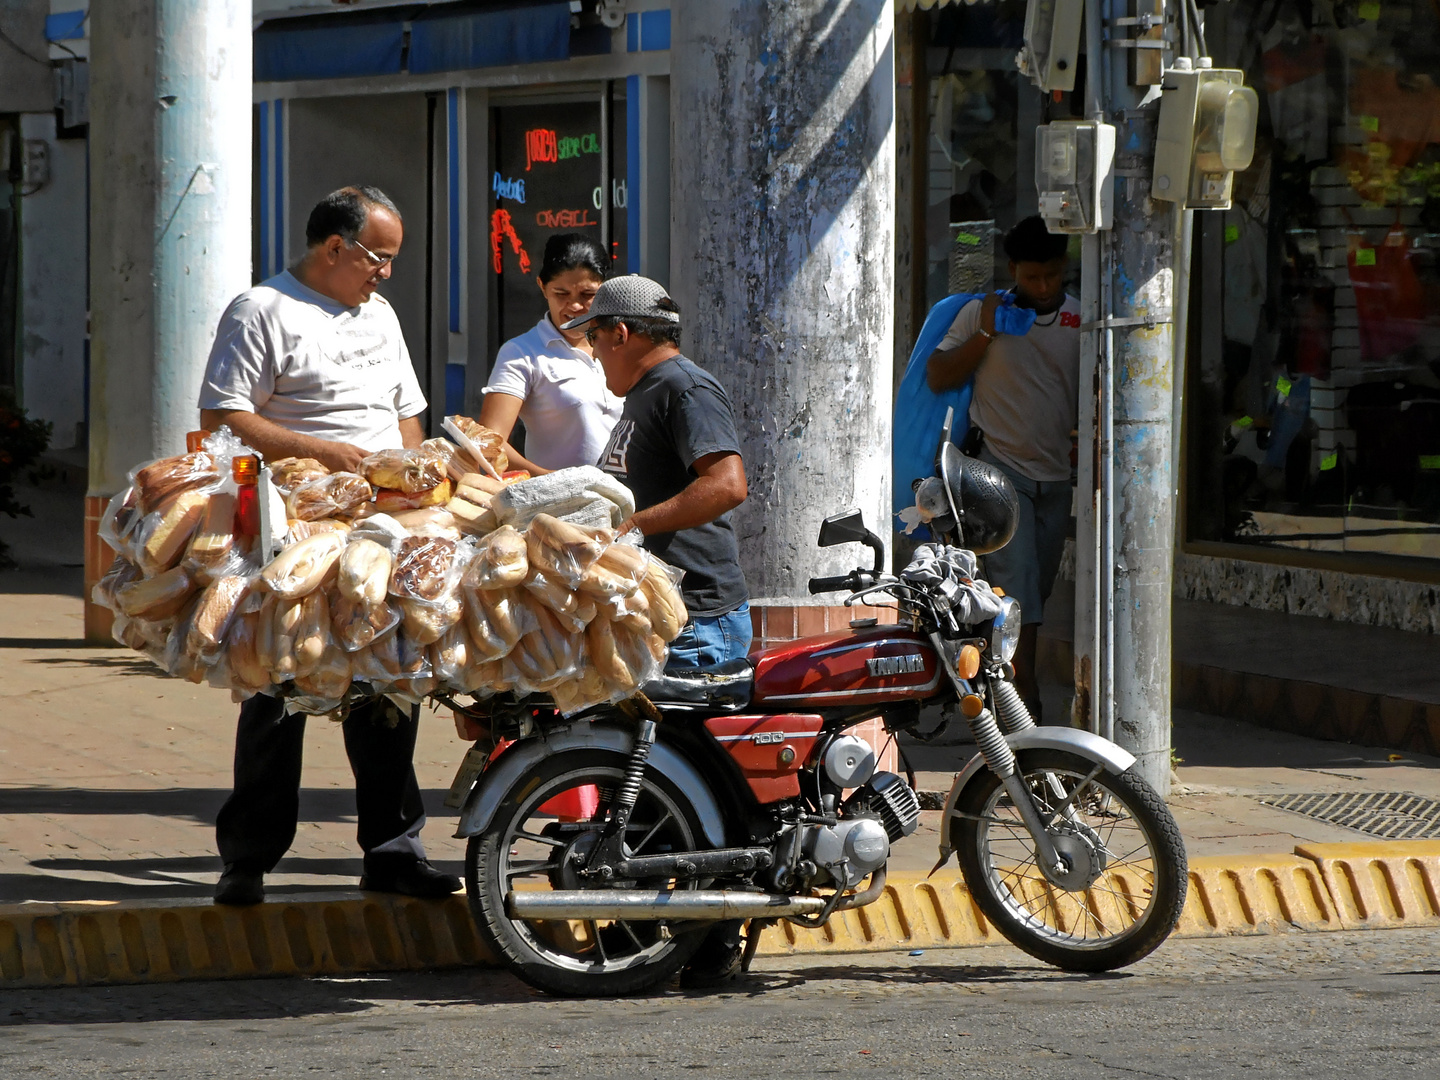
(707, 641)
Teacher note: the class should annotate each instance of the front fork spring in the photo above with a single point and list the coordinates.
(993, 747)
(1010, 707)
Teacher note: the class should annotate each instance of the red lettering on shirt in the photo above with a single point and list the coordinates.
(1068, 318)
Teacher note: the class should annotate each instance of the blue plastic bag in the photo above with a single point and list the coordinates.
(920, 411)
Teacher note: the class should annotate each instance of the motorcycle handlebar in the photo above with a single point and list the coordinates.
(843, 583)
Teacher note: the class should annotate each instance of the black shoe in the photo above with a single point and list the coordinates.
(714, 964)
(407, 876)
(239, 886)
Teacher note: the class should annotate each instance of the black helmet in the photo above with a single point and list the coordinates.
(984, 497)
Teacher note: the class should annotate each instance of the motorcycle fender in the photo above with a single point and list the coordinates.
(1086, 744)
(499, 778)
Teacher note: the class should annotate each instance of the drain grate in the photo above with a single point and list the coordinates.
(1393, 815)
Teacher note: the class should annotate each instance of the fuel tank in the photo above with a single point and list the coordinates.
(870, 666)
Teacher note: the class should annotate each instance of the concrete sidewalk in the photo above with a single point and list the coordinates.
(111, 775)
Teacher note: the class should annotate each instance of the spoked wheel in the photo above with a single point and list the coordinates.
(539, 838)
(1124, 885)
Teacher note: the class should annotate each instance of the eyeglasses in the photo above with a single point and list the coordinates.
(376, 261)
(590, 335)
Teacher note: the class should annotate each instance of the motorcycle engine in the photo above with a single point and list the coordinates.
(882, 811)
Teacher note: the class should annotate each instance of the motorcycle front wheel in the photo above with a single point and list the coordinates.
(538, 838)
(1126, 887)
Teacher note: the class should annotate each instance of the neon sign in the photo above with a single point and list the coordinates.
(564, 219)
(502, 229)
(540, 145)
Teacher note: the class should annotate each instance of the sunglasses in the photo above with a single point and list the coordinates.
(376, 261)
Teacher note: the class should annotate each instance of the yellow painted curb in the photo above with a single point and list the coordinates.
(1321, 887)
(1255, 894)
(1381, 885)
(159, 941)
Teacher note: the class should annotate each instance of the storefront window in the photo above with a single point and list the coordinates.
(545, 178)
(1314, 386)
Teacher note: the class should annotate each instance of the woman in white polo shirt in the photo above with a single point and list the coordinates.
(548, 377)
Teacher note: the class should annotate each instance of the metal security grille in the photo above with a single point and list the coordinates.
(1393, 815)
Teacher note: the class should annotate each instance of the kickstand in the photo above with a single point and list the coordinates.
(753, 929)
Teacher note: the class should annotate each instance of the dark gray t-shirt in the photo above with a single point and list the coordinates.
(675, 415)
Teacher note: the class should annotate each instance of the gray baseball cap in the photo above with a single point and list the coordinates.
(630, 296)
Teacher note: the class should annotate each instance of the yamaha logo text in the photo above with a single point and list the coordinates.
(896, 665)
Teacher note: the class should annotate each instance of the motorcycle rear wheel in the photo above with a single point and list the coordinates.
(1133, 896)
(525, 847)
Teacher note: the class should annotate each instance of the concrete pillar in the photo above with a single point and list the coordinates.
(783, 179)
(170, 145)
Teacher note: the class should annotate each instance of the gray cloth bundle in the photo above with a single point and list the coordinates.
(950, 573)
(562, 493)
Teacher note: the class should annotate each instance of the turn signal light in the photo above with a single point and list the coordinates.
(968, 662)
(971, 705)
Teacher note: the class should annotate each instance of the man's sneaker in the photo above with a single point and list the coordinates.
(407, 876)
(239, 886)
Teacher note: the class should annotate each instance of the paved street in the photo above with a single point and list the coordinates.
(1352, 1005)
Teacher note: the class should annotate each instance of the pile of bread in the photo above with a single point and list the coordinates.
(417, 574)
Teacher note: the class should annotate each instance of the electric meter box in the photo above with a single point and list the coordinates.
(1074, 175)
(1052, 43)
(1206, 134)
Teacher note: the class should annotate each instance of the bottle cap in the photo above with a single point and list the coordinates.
(245, 470)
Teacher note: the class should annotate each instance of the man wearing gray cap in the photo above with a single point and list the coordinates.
(675, 447)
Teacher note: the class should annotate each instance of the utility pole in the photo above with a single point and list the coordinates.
(170, 92)
(783, 178)
(1128, 411)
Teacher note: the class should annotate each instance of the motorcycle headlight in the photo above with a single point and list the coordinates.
(1005, 630)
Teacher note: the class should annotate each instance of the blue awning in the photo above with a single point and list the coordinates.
(452, 38)
(331, 46)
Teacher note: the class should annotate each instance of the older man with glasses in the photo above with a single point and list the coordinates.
(312, 363)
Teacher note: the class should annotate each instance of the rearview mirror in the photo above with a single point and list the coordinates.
(846, 527)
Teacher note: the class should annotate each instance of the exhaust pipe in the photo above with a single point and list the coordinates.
(640, 905)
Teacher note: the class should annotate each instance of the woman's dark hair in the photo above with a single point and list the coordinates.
(1030, 241)
(343, 213)
(573, 251)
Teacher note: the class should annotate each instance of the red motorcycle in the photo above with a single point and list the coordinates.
(602, 848)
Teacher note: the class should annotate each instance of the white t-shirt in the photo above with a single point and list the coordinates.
(567, 410)
(314, 366)
(1026, 390)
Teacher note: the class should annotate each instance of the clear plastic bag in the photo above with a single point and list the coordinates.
(450, 656)
(572, 610)
(300, 568)
(158, 483)
(624, 659)
(242, 655)
(118, 523)
(500, 560)
(289, 473)
(337, 495)
(329, 677)
(298, 530)
(312, 633)
(563, 552)
(409, 471)
(179, 661)
(121, 573)
(156, 598)
(486, 642)
(275, 640)
(381, 528)
(357, 625)
(428, 567)
(484, 678)
(218, 607)
(427, 621)
(618, 572)
(365, 567)
(661, 587)
(161, 537)
(585, 691)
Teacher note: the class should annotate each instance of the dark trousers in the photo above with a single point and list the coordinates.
(257, 823)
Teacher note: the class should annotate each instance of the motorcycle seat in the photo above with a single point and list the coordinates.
(724, 686)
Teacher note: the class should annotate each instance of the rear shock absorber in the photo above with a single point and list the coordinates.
(634, 772)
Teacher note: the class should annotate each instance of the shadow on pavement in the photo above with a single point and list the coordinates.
(259, 999)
